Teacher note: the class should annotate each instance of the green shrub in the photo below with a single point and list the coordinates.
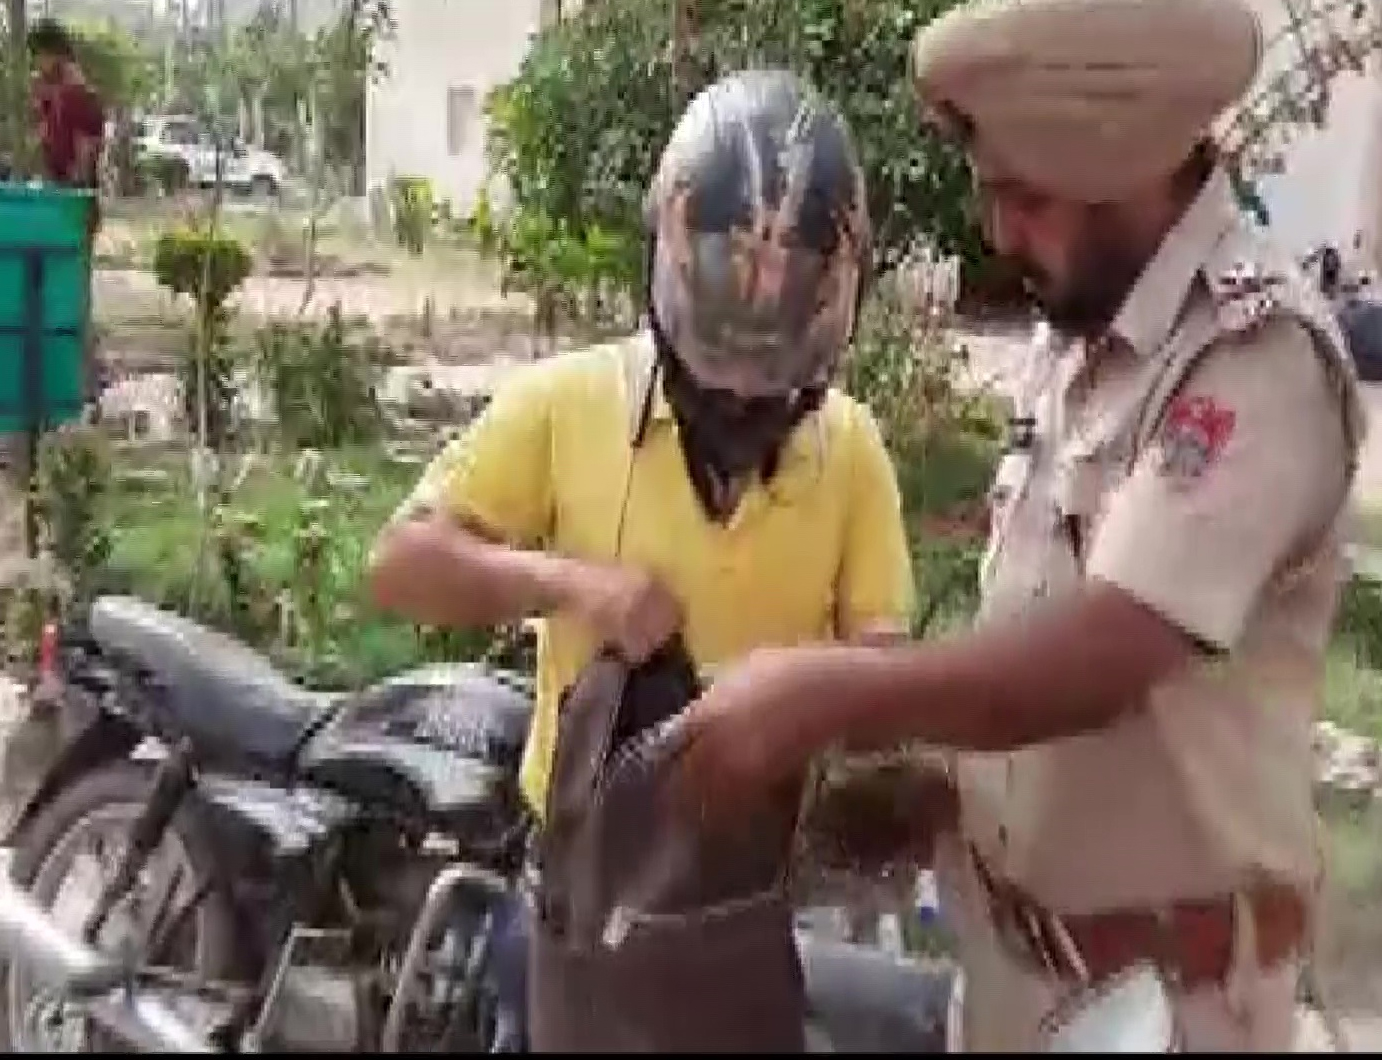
(74, 468)
(573, 273)
(205, 265)
(1359, 621)
(321, 379)
(944, 440)
(166, 174)
(280, 562)
(412, 204)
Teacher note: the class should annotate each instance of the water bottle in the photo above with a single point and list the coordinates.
(925, 899)
(890, 935)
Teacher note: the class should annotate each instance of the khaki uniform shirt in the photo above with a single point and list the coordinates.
(1198, 457)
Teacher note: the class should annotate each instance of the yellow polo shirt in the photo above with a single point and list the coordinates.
(818, 552)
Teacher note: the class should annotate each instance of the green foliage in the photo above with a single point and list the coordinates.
(72, 536)
(122, 69)
(577, 133)
(574, 273)
(944, 440)
(283, 564)
(413, 205)
(205, 265)
(1359, 621)
(345, 60)
(321, 379)
(206, 381)
(166, 174)
(275, 73)
(74, 467)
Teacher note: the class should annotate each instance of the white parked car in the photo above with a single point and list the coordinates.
(244, 169)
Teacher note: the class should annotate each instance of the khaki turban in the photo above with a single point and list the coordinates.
(1088, 100)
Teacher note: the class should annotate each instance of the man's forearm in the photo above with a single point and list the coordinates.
(438, 574)
(1072, 668)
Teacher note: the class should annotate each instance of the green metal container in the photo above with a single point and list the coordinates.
(45, 304)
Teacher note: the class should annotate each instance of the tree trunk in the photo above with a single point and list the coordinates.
(122, 155)
(15, 130)
(683, 50)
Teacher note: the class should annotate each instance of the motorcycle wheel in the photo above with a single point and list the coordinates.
(92, 817)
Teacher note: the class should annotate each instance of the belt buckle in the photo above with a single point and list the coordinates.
(1042, 936)
(1029, 930)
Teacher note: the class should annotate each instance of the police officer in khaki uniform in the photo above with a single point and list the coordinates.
(1131, 721)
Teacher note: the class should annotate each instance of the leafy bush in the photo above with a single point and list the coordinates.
(73, 542)
(206, 266)
(74, 468)
(944, 440)
(279, 564)
(412, 204)
(165, 174)
(576, 274)
(321, 380)
(577, 133)
(1359, 621)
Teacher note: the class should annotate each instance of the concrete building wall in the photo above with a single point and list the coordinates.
(425, 116)
(1329, 191)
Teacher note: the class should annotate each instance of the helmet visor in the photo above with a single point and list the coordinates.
(755, 313)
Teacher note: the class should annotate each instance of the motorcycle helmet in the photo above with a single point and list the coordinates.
(759, 238)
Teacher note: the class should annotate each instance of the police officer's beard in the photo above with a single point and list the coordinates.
(724, 440)
(1103, 272)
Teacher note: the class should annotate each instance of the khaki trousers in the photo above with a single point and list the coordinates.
(1005, 1001)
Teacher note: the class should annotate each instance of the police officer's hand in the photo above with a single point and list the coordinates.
(628, 610)
(747, 735)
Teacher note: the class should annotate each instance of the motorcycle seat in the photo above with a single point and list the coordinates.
(228, 699)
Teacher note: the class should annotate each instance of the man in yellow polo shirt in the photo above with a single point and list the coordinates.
(703, 477)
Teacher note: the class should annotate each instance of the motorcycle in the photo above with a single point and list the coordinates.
(219, 860)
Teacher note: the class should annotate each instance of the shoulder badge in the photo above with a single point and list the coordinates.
(1245, 295)
(1194, 433)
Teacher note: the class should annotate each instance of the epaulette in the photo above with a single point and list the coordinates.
(1245, 295)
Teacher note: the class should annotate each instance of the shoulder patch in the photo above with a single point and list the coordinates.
(1194, 433)
(1245, 295)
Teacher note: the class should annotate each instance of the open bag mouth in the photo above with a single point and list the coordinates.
(654, 750)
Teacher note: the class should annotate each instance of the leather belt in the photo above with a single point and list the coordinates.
(1192, 942)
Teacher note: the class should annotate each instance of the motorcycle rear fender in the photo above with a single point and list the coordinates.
(247, 832)
(97, 740)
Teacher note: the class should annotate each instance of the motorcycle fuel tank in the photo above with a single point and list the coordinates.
(442, 741)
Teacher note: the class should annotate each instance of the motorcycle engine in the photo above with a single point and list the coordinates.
(316, 1010)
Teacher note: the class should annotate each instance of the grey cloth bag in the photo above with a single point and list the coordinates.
(651, 934)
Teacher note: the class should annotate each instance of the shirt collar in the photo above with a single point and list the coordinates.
(1154, 304)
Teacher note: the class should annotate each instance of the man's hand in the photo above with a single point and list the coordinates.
(747, 734)
(627, 610)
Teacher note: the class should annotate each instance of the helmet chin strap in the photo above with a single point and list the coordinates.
(721, 452)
